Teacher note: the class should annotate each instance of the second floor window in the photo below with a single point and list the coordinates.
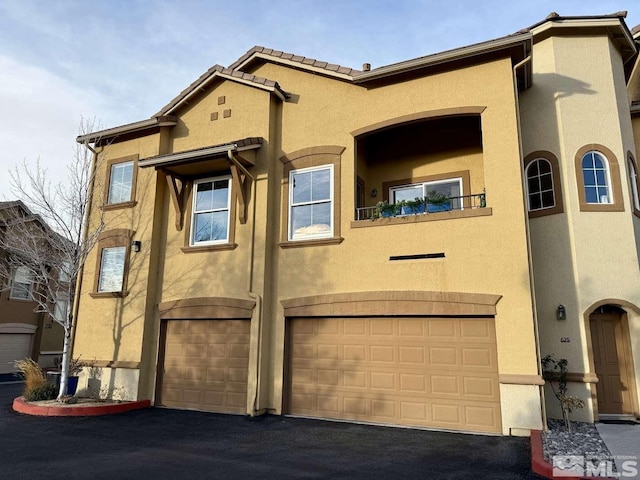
(450, 188)
(595, 175)
(540, 188)
(21, 284)
(211, 208)
(112, 264)
(120, 183)
(633, 179)
(311, 203)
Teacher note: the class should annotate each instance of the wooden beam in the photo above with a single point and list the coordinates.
(240, 182)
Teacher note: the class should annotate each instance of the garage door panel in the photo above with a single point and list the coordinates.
(205, 365)
(408, 376)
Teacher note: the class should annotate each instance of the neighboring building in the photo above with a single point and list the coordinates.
(24, 333)
(243, 268)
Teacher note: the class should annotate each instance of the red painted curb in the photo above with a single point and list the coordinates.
(540, 466)
(20, 406)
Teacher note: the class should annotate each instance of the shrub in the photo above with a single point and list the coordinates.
(46, 391)
(555, 372)
(32, 374)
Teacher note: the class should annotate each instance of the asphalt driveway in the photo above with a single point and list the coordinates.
(170, 444)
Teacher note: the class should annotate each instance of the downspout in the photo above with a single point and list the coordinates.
(250, 292)
(529, 254)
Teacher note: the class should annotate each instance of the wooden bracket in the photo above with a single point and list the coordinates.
(178, 192)
(241, 187)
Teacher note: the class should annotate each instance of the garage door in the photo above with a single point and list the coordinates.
(13, 346)
(205, 365)
(430, 372)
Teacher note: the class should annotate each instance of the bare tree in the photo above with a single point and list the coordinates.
(48, 235)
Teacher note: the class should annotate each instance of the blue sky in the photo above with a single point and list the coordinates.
(121, 61)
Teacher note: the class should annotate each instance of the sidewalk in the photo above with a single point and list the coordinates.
(623, 441)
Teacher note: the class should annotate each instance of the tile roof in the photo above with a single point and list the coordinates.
(219, 70)
(290, 57)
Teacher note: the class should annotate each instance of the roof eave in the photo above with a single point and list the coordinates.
(297, 65)
(136, 127)
(275, 89)
(448, 56)
(180, 157)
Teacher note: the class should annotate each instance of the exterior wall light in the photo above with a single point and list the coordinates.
(374, 193)
(561, 313)
(136, 245)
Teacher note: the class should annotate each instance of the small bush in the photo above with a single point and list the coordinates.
(46, 391)
(32, 374)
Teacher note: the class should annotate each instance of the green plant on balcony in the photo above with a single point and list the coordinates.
(415, 206)
(387, 209)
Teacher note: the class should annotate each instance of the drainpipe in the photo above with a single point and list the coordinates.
(529, 255)
(250, 292)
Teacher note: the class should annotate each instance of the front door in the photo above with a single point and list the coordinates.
(611, 359)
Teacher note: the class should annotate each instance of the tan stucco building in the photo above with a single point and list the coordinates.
(253, 259)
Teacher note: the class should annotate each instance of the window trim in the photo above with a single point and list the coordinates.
(189, 184)
(192, 211)
(634, 184)
(307, 158)
(557, 183)
(13, 281)
(134, 180)
(290, 236)
(119, 237)
(615, 186)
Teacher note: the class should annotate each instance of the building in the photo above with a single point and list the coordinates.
(248, 267)
(24, 331)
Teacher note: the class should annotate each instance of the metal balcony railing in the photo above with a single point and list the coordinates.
(477, 200)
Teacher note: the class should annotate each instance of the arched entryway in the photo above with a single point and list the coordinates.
(611, 359)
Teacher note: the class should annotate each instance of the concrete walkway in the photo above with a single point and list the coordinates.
(623, 441)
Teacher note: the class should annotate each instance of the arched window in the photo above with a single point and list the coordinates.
(633, 183)
(542, 183)
(598, 179)
(595, 178)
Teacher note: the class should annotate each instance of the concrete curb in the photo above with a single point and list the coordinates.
(538, 463)
(21, 406)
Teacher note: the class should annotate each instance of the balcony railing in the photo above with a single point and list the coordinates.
(477, 200)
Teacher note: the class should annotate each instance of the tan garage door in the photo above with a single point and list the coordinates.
(205, 365)
(432, 372)
(13, 346)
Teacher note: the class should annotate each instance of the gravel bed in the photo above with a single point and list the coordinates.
(584, 440)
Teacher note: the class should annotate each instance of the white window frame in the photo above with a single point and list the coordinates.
(14, 280)
(553, 186)
(607, 170)
(633, 178)
(64, 275)
(192, 241)
(60, 309)
(110, 200)
(311, 236)
(120, 271)
(425, 188)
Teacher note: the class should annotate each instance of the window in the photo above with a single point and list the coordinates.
(598, 179)
(120, 182)
(65, 272)
(211, 200)
(595, 177)
(112, 269)
(633, 180)
(540, 189)
(542, 184)
(21, 284)
(60, 308)
(451, 188)
(311, 203)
